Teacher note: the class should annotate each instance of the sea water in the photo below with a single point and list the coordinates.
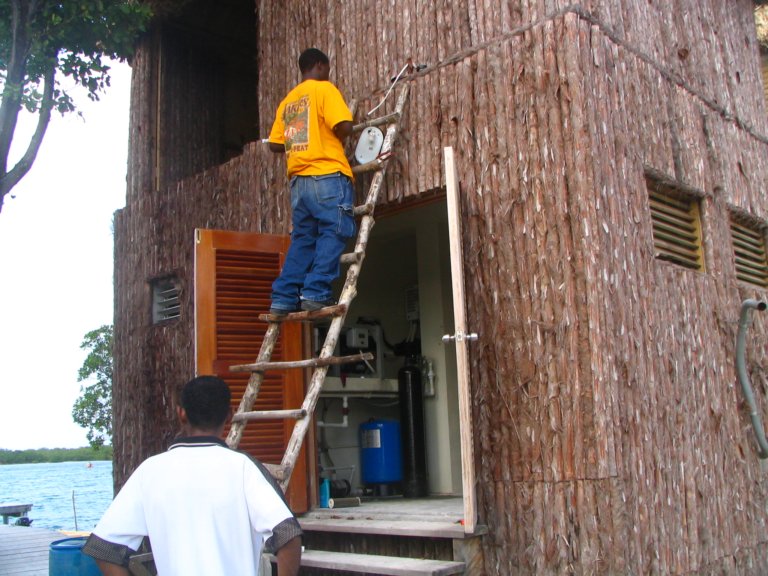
(64, 495)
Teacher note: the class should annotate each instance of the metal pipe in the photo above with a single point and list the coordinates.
(741, 368)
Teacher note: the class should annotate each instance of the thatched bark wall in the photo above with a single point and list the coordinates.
(179, 105)
(706, 47)
(154, 237)
(610, 436)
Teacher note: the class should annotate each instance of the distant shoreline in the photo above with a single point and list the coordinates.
(52, 455)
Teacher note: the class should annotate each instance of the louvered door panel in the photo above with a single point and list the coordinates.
(233, 281)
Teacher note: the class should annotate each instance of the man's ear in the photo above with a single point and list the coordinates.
(182, 414)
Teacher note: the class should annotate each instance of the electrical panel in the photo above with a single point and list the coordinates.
(356, 339)
(412, 304)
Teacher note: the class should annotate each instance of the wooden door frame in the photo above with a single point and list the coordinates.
(461, 338)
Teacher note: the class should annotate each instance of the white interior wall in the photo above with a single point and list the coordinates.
(443, 441)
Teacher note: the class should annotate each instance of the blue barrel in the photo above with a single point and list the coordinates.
(381, 452)
(66, 558)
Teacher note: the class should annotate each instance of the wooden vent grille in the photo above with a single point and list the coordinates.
(676, 229)
(750, 254)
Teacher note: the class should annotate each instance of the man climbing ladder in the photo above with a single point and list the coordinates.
(311, 125)
(337, 313)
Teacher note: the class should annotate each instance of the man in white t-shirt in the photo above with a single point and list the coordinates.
(207, 510)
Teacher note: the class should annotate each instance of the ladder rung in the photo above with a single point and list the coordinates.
(363, 209)
(371, 166)
(277, 471)
(310, 363)
(387, 119)
(327, 312)
(352, 257)
(270, 415)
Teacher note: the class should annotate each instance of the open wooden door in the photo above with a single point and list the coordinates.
(233, 281)
(461, 337)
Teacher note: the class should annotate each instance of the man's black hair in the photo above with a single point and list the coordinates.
(310, 57)
(206, 401)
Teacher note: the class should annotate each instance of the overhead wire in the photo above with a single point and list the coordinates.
(390, 89)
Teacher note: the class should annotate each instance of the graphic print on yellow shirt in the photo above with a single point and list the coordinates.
(297, 125)
(304, 125)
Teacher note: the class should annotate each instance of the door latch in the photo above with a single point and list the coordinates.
(460, 337)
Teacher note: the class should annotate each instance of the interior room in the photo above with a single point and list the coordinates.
(389, 428)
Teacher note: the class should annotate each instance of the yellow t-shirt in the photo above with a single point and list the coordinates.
(304, 125)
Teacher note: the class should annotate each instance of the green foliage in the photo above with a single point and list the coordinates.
(93, 409)
(75, 37)
(55, 455)
(43, 41)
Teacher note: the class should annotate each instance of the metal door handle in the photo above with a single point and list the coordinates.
(460, 337)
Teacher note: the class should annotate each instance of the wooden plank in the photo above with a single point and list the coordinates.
(423, 529)
(327, 312)
(462, 359)
(24, 550)
(385, 565)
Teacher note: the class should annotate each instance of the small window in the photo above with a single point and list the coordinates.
(166, 304)
(749, 253)
(676, 228)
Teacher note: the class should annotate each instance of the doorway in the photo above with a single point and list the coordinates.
(402, 309)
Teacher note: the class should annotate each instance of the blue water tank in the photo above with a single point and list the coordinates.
(66, 558)
(381, 453)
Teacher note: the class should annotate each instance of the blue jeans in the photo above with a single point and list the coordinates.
(322, 222)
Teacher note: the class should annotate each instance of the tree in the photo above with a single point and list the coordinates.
(93, 409)
(44, 40)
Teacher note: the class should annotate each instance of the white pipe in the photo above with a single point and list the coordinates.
(344, 420)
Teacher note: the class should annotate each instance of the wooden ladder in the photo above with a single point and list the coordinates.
(337, 313)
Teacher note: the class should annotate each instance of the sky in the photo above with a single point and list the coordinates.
(56, 264)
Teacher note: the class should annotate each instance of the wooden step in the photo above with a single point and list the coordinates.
(269, 415)
(327, 312)
(310, 363)
(385, 565)
(411, 528)
(371, 166)
(380, 121)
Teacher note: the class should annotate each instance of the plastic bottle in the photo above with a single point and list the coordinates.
(325, 492)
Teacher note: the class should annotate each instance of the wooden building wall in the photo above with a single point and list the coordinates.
(610, 432)
(154, 238)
